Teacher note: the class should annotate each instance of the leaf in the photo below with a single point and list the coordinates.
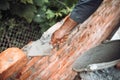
(58, 14)
(27, 1)
(46, 1)
(40, 2)
(44, 8)
(30, 1)
(40, 16)
(26, 11)
(4, 5)
(11, 23)
(50, 14)
(64, 11)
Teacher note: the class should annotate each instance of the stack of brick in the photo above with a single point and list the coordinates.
(58, 66)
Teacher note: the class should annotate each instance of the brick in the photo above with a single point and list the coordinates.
(11, 60)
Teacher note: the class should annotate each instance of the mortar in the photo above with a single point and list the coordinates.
(102, 56)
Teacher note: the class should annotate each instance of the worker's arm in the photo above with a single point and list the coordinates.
(82, 10)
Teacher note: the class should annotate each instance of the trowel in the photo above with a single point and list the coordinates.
(42, 46)
(100, 57)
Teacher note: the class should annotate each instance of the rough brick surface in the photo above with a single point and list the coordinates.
(11, 60)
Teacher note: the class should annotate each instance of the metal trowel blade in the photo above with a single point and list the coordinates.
(42, 46)
(37, 48)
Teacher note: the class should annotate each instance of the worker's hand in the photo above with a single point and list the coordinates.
(59, 36)
(118, 65)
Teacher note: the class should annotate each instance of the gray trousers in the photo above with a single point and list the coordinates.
(83, 9)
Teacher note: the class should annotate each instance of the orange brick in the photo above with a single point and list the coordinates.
(11, 60)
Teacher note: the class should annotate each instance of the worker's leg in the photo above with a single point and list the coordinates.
(84, 9)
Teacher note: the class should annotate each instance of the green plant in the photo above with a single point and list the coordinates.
(42, 12)
(21, 19)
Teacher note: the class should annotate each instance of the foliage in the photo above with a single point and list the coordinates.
(42, 12)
